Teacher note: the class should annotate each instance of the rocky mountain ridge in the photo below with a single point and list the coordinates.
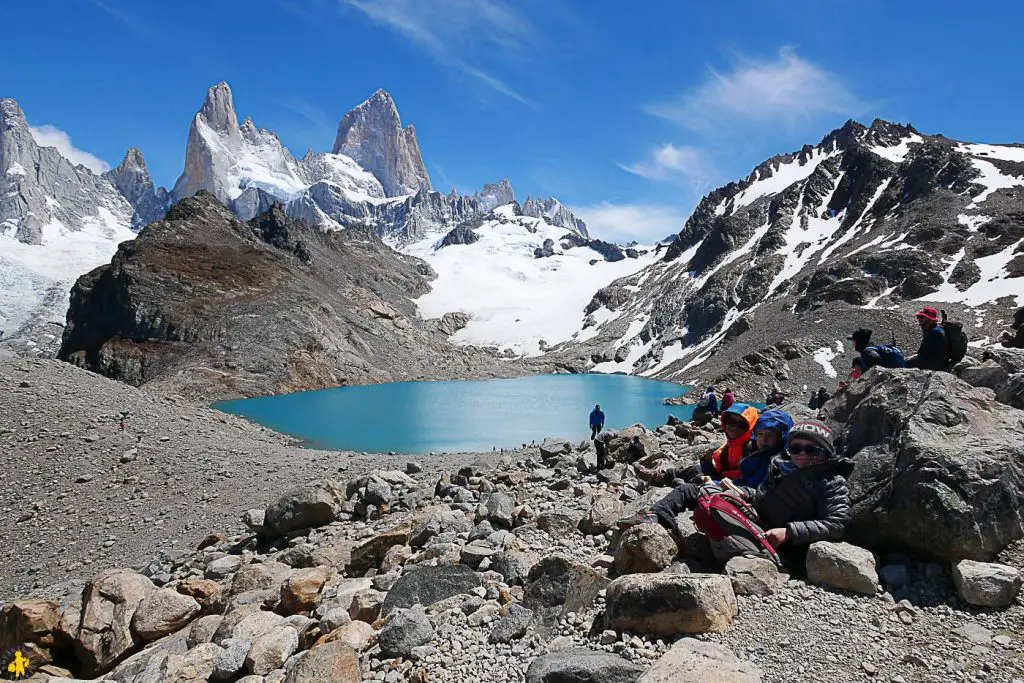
(839, 235)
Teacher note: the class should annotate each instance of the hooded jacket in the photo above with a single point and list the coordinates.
(754, 467)
(812, 503)
(725, 462)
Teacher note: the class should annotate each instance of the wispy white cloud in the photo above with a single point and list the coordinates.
(457, 33)
(644, 222)
(51, 136)
(784, 90)
(668, 162)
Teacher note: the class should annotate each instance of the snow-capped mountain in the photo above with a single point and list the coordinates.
(57, 221)
(870, 218)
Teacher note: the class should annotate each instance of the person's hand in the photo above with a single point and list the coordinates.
(777, 536)
(708, 455)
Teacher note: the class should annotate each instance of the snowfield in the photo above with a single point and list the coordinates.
(515, 300)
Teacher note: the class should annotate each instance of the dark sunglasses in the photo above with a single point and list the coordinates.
(811, 451)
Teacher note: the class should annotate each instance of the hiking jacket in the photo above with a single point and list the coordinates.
(727, 400)
(605, 436)
(754, 467)
(933, 353)
(725, 462)
(813, 503)
(712, 406)
(596, 418)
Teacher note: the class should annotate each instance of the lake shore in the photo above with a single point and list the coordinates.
(77, 494)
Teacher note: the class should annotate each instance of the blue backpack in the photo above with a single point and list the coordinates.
(891, 356)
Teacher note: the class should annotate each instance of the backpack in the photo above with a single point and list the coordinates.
(892, 356)
(704, 401)
(731, 525)
(956, 340)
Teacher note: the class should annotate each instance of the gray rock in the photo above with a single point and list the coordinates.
(230, 659)
(754, 576)
(514, 565)
(558, 586)
(553, 447)
(203, 629)
(499, 508)
(513, 624)
(644, 548)
(428, 585)
(894, 575)
(163, 612)
(109, 601)
(987, 584)
(670, 604)
(315, 504)
(602, 516)
(842, 565)
(271, 650)
(582, 666)
(223, 567)
(253, 519)
(476, 552)
(559, 524)
(910, 433)
(694, 661)
(405, 630)
(334, 662)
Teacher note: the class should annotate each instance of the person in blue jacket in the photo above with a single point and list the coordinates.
(770, 433)
(596, 421)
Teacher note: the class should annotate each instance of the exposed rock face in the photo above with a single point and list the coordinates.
(555, 213)
(935, 472)
(132, 180)
(216, 305)
(494, 195)
(670, 604)
(372, 134)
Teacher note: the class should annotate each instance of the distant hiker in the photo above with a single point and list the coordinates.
(803, 500)
(933, 353)
(636, 450)
(601, 447)
(1015, 340)
(822, 397)
(123, 416)
(770, 434)
(596, 420)
(707, 407)
(727, 400)
(886, 355)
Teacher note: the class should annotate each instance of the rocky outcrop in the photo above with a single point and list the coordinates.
(215, 305)
(494, 195)
(372, 134)
(937, 471)
(555, 213)
(131, 178)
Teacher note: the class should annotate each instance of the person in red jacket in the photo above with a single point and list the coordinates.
(727, 400)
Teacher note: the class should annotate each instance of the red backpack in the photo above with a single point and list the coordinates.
(731, 524)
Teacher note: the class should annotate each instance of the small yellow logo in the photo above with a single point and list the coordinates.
(18, 667)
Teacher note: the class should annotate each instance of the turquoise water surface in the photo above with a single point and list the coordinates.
(477, 415)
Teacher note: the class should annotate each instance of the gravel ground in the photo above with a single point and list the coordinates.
(78, 495)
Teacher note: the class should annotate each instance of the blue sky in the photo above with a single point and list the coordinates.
(628, 112)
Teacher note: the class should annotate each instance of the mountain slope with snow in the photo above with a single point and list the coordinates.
(519, 296)
(869, 220)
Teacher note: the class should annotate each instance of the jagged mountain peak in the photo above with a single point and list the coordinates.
(218, 109)
(494, 195)
(132, 159)
(373, 136)
(11, 114)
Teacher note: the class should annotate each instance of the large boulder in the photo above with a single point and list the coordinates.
(104, 635)
(407, 628)
(301, 590)
(939, 464)
(271, 650)
(754, 576)
(559, 586)
(618, 447)
(370, 553)
(602, 516)
(1012, 392)
(986, 584)
(163, 612)
(644, 548)
(670, 604)
(514, 565)
(312, 505)
(582, 666)
(844, 566)
(694, 661)
(32, 622)
(428, 585)
(552, 447)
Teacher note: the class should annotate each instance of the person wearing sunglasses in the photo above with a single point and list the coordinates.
(804, 499)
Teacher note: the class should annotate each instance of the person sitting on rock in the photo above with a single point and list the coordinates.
(601, 447)
(803, 500)
(933, 354)
(728, 398)
(596, 420)
(1015, 340)
(776, 398)
(636, 450)
(707, 407)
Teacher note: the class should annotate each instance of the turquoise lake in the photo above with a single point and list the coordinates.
(472, 415)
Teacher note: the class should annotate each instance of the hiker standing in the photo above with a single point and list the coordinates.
(601, 447)
(596, 421)
(933, 353)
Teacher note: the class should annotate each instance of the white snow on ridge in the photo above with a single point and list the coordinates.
(855, 228)
(514, 299)
(897, 153)
(994, 283)
(992, 179)
(824, 357)
(1002, 152)
(782, 177)
(973, 222)
(17, 169)
(36, 280)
